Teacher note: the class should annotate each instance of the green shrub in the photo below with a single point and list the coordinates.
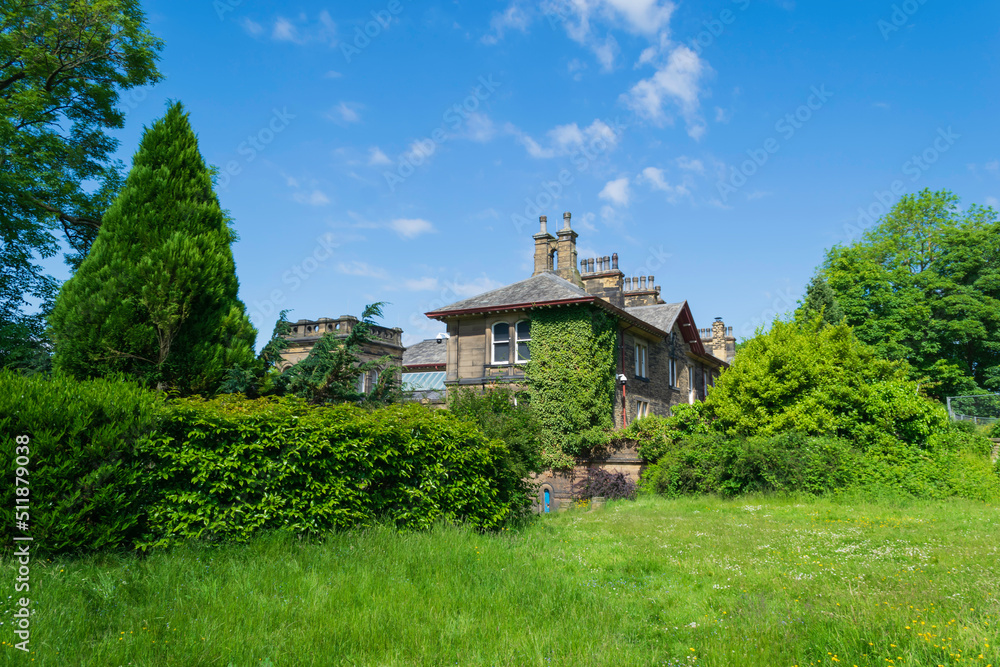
(504, 415)
(730, 466)
(85, 474)
(654, 435)
(228, 468)
(819, 379)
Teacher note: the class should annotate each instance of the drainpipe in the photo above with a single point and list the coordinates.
(624, 401)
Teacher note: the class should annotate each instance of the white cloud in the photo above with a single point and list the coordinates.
(314, 198)
(362, 269)
(410, 228)
(568, 139)
(285, 31)
(465, 289)
(251, 27)
(291, 181)
(993, 167)
(376, 157)
(993, 201)
(689, 164)
(758, 194)
(332, 74)
(616, 191)
(678, 84)
(421, 284)
(512, 18)
(479, 128)
(656, 180)
(346, 112)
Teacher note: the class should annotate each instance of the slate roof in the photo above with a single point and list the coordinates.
(543, 288)
(662, 316)
(426, 352)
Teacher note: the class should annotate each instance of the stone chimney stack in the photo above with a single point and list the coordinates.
(545, 248)
(566, 247)
(718, 347)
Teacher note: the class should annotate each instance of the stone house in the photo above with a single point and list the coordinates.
(661, 358)
(385, 342)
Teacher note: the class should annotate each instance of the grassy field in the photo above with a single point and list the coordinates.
(700, 581)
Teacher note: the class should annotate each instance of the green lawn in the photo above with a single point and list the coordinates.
(698, 581)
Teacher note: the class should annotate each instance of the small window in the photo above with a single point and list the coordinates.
(501, 343)
(361, 383)
(673, 373)
(690, 378)
(523, 332)
(641, 354)
(704, 381)
(641, 409)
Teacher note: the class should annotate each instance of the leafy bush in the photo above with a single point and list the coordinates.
(228, 468)
(85, 475)
(610, 485)
(818, 379)
(715, 463)
(505, 415)
(654, 435)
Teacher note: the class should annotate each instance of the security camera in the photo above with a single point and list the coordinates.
(622, 379)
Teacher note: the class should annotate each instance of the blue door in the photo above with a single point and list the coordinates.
(547, 500)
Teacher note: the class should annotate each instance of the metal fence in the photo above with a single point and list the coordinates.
(979, 409)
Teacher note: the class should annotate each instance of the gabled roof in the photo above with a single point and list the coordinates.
(543, 289)
(433, 352)
(665, 316)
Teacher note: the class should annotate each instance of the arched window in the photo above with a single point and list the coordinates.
(501, 343)
(523, 333)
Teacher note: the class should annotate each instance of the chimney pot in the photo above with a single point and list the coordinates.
(566, 219)
(590, 264)
(614, 261)
(583, 266)
(628, 284)
(543, 219)
(642, 281)
(607, 263)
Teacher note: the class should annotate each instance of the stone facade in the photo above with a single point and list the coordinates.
(305, 334)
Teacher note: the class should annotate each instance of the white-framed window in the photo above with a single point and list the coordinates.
(691, 389)
(704, 382)
(501, 343)
(641, 409)
(360, 386)
(522, 333)
(641, 358)
(673, 372)
(374, 379)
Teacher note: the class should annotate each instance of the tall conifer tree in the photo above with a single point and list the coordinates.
(156, 297)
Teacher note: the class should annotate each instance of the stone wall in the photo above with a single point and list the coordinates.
(566, 486)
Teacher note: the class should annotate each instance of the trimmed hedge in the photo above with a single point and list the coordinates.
(87, 486)
(231, 467)
(115, 466)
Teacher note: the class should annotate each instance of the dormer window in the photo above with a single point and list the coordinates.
(523, 333)
(501, 343)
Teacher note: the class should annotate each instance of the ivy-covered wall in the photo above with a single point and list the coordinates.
(571, 379)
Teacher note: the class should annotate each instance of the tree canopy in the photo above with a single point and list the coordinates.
(63, 64)
(156, 298)
(924, 286)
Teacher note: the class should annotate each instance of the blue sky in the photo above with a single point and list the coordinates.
(401, 150)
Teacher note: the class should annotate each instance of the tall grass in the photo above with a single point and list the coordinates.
(695, 581)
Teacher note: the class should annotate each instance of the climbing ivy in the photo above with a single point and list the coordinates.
(571, 379)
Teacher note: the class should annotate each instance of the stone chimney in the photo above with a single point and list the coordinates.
(718, 345)
(545, 248)
(566, 247)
